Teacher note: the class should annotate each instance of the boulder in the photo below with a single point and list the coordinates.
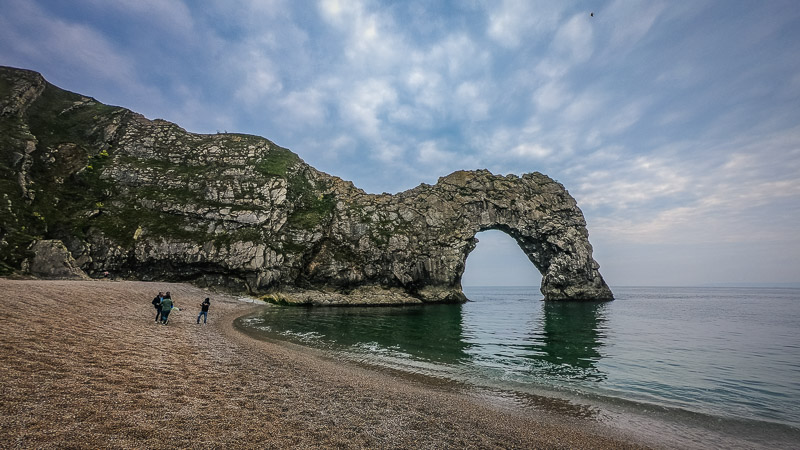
(52, 260)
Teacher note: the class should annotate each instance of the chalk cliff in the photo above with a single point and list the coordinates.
(145, 199)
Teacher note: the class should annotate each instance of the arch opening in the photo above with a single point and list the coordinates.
(498, 260)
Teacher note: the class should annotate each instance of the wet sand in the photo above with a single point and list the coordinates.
(83, 365)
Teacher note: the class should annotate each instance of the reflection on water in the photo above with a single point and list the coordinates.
(510, 335)
(525, 340)
(572, 336)
(428, 332)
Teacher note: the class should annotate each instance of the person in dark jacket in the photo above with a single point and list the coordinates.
(166, 307)
(157, 304)
(204, 310)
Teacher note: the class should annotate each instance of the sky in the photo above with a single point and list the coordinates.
(674, 124)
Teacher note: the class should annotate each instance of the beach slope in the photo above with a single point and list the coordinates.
(82, 364)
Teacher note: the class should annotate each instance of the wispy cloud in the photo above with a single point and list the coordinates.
(260, 79)
(573, 40)
(722, 202)
(638, 18)
(304, 108)
(550, 96)
(367, 103)
(39, 39)
(514, 22)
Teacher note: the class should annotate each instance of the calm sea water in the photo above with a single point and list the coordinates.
(706, 366)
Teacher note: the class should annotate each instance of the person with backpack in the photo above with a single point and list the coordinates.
(157, 304)
(204, 310)
(166, 308)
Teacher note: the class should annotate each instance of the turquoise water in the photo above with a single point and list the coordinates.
(721, 362)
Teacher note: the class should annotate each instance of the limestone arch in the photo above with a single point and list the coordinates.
(557, 246)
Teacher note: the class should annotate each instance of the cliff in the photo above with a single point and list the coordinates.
(145, 199)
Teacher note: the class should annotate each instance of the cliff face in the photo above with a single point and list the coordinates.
(146, 199)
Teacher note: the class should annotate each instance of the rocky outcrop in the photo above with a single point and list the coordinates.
(51, 259)
(145, 199)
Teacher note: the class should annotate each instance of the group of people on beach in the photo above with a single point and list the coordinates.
(164, 306)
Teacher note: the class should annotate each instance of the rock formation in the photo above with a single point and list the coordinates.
(51, 259)
(146, 199)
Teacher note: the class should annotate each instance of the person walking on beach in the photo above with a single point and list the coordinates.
(157, 304)
(166, 307)
(204, 310)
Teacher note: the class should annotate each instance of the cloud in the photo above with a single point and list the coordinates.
(365, 105)
(746, 195)
(304, 108)
(719, 216)
(471, 101)
(259, 80)
(513, 21)
(573, 40)
(426, 90)
(455, 55)
(625, 117)
(682, 74)
(550, 68)
(388, 153)
(260, 9)
(585, 106)
(42, 41)
(428, 153)
(634, 182)
(196, 115)
(371, 40)
(531, 151)
(335, 11)
(550, 96)
(638, 18)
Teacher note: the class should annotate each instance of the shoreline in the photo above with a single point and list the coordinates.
(647, 424)
(549, 403)
(83, 364)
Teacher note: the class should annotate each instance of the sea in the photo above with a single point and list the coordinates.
(691, 367)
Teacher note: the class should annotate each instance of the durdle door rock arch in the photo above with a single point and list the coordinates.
(145, 199)
(429, 231)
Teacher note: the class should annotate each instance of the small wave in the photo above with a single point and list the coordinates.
(304, 336)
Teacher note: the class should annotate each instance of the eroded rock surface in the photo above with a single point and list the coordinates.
(51, 259)
(146, 199)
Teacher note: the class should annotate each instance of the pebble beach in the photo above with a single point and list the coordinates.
(84, 365)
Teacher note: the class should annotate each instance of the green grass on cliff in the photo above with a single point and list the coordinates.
(68, 182)
(60, 116)
(312, 208)
(277, 162)
(59, 199)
